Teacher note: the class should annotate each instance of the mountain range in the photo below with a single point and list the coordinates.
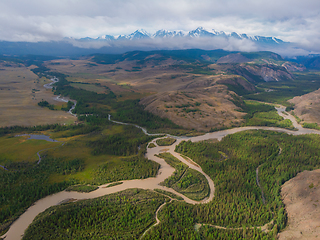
(141, 40)
(200, 32)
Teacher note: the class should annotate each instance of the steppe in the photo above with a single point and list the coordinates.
(301, 195)
(20, 92)
(194, 101)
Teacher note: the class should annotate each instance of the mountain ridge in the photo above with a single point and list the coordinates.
(199, 32)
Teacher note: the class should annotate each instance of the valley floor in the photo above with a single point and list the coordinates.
(18, 227)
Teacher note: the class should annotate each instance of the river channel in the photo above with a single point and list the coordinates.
(17, 229)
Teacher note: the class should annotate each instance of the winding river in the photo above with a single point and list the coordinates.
(58, 98)
(20, 225)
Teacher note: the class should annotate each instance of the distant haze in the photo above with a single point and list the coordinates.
(46, 20)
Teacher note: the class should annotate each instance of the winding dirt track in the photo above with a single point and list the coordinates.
(20, 225)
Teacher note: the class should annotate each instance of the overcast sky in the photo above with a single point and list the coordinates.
(43, 20)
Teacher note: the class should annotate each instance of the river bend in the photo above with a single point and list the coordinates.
(17, 229)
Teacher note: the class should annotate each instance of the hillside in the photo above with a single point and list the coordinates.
(179, 95)
(301, 197)
(307, 107)
(193, 88)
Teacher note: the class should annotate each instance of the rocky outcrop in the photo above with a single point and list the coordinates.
(269, 72)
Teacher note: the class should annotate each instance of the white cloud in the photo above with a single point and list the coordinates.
(44, 20)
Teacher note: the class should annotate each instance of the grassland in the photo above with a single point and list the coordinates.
(103, 168)
(21, 90)
(90, 87)
(19, 149)
(64, 166)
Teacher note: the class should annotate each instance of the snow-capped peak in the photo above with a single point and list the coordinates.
(142, 31)
(197, 33)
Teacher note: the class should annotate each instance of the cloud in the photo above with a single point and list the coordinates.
(45, 20)
(230, 44)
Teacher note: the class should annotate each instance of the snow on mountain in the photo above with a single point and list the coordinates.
(200, 32)
(139, 34)
(163, 34)
(168, 34)
(106, 37)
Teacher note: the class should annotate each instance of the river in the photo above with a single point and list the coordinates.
(20, 225)
(58, 98)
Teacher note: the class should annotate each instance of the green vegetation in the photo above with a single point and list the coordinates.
(53, 107)
(179, 167)
(191, 55)
(311, 125)
(185, 180)
(19, 149)
(211, 233)
(68, 107)
(46, 104)
(166, 141)
(237, 201)
(99, 105)
(25, 183)
(151, 145)
(98, 152)
(122, 144)
(284, 90)
(89, 87)
(114, 184)
(133, 167)
(261, 114)
(67, 165)
(82, 188)
(123, 215)
(170, 194)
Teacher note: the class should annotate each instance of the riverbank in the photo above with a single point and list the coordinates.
(18, 227)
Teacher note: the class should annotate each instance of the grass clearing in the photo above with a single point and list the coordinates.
(101, 168)
(166, 141)
(90, 87)
(19, 149)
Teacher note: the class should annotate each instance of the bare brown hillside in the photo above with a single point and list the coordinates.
(190, 99)
(201, 108)
(307, 107)
(301, 196)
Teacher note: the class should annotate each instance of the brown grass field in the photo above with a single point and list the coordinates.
(301, 195)
(161, 87)
(307, 107)
(20, 92)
